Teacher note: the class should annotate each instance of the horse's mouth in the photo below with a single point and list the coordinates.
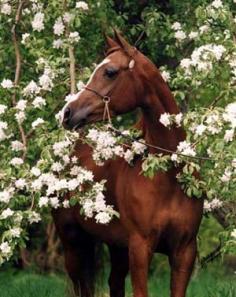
(91, 119)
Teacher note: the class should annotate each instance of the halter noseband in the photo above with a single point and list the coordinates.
(107, 98)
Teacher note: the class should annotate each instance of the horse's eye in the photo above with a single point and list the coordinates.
(111, 72)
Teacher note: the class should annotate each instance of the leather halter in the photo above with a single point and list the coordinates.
(107, 98)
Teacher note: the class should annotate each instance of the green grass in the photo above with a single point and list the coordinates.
(213, 282)
(26, 284)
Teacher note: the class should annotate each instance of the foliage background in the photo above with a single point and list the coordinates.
(146, 24)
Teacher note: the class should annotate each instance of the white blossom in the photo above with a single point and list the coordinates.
(25, 38)
(43, 201)
(185, 63)
(37, 122)
(20, 183)
(212, 205)
(165, 119)
(88, 207)
(3, 135)
(71, 97)
(80, 85)
(38, 102)
(16, 161)
(3, 126)
(67, 17)
(54, 202)
(201, 57)
(5, 248)
(217, 4)
(57, 167)
(21, 105)
(5, 196)
(82, 5)
(37, 23)
(20, 116)
(61, 185)
(229, 135)
(58, 27)
(234, 163)
(7, 84)
(46, 82)
(6, 213)
(226, 176)
(66, 203)
(6, 8)
(75, 170)
(34, 217)
(2, 108)
(128, 156)
(166, 75)
(66, 159)
(59, 147)
(174, 157)
(74, 159)
(138, 148)
(100, 203)
(37, 184)
(118, 151)
(17, 146)
(103, 218)
(233, 234)
(74, 37)
(200, 129)
(176, 26)
(15, 232)
(73, 184)
(35, 171)
(88, 175)
(185, 148)
(204, 29)
(57, 43)
(193, 35)
(178, 119)
(230, 114)
(180, 35)
(31, 89)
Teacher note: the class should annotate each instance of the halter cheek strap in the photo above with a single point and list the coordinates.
(107, 98)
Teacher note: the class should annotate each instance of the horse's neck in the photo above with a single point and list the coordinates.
(160, 100)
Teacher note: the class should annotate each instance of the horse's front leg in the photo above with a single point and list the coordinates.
(119, 270)
(182, 263)
(79, 252)
(140, 254)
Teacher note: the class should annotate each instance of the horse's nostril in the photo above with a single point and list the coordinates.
(67, 114)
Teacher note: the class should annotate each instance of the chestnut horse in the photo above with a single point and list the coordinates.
(155, 214)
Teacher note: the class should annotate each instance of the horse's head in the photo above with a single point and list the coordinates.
(115, 80)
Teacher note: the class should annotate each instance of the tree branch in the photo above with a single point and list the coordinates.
(211, 257)
(72, 70)
(18, 69)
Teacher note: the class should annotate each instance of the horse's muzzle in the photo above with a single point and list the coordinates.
(74, 120)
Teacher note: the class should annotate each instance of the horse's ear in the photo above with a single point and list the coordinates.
(110, 43)
(122, 42)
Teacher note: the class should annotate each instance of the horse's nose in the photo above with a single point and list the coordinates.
(74, 118)
(67, 115)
